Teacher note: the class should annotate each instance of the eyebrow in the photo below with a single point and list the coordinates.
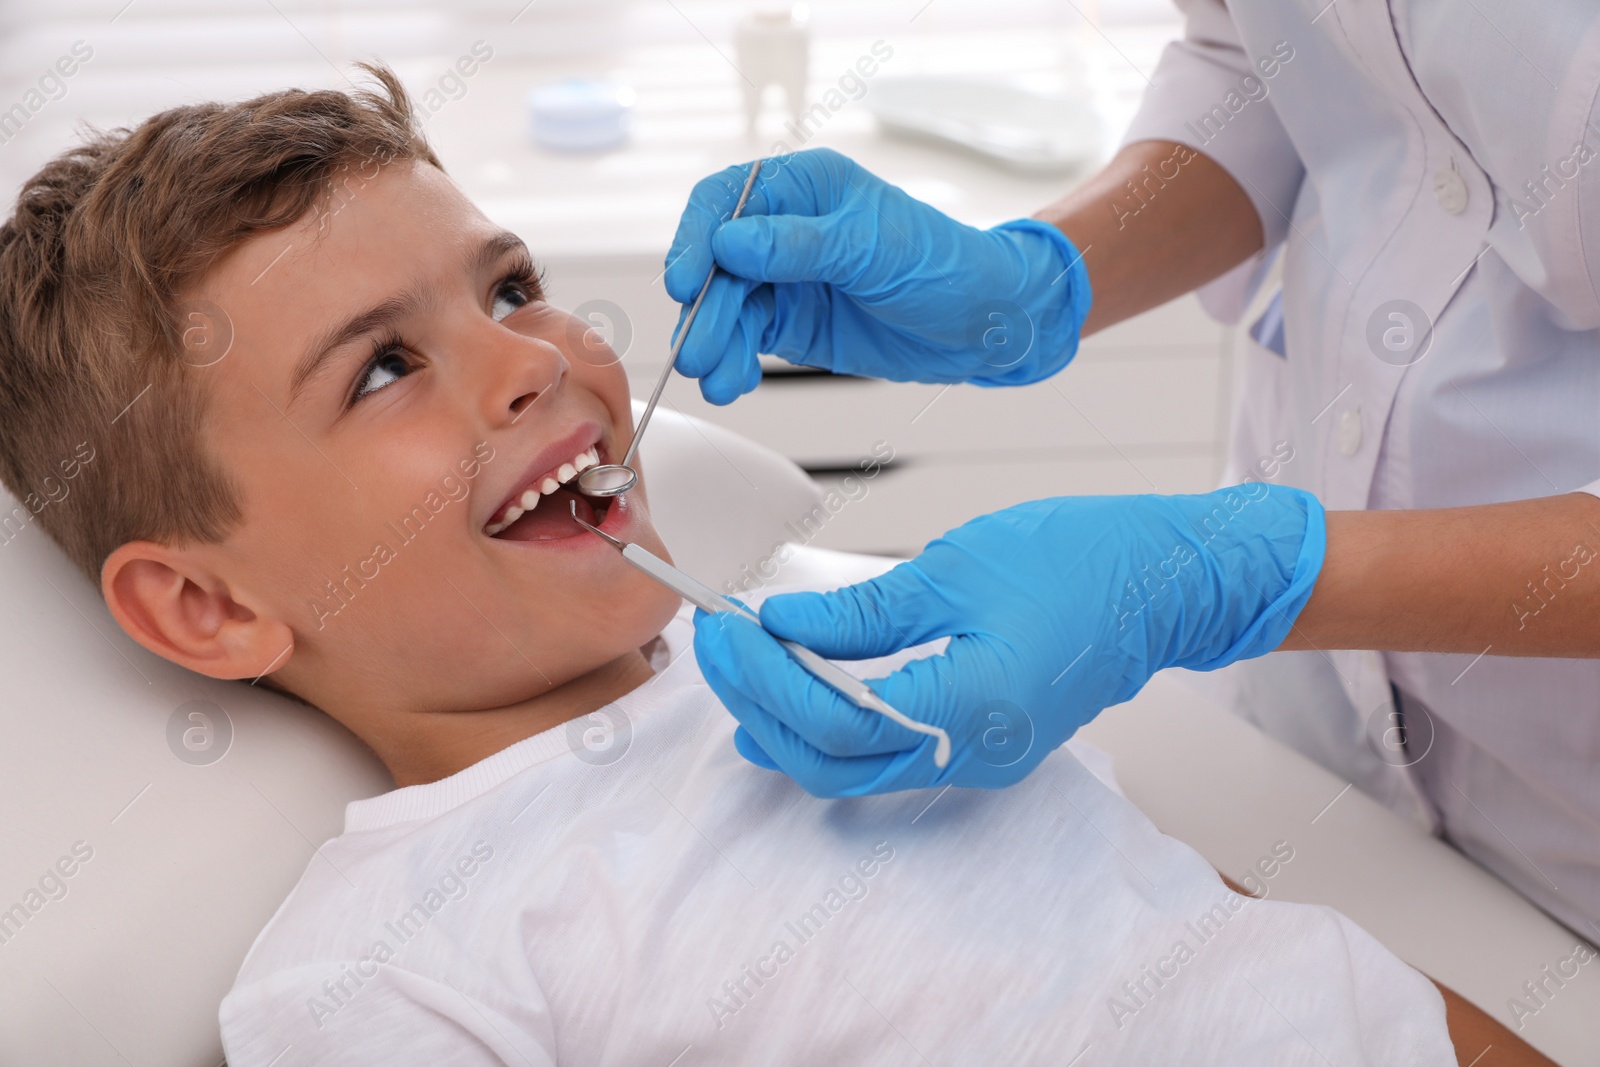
(320, 351)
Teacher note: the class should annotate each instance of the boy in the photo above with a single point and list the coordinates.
(337, 419)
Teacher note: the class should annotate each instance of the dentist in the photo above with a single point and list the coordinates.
(1432, 362)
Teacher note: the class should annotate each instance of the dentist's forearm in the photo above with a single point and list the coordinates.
(1181, 222)
(1517, 579)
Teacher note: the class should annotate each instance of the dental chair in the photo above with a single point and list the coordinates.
(152, 820)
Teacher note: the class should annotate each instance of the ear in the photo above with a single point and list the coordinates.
(170, 602)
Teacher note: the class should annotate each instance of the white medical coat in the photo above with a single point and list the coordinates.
(1445, 155)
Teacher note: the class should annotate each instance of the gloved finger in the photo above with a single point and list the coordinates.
(738, 368)
(819, 774)
(873, 618)
(711, 202)
(969, 691)
(752, 376)
(813, 182)
(707, 340)
(758, 670)
(836, 248)
(748, 747)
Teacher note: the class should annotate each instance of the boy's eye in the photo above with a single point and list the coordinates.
(509, 298)
(390, 360)
(384, 368)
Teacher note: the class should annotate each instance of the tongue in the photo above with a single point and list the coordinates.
(552, 519)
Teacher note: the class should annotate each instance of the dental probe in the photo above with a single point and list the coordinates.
(614, 479)
(707, 599)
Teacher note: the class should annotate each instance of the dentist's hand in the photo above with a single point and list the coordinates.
(832, 267)
(1055, 609)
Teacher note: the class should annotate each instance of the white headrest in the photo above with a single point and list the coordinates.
(153, 819)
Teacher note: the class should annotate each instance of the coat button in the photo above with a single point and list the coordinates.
(1350, 431)
(1450, 189)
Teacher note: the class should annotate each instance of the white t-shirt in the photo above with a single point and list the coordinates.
(626, 889)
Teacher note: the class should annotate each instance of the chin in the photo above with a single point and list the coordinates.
(656, 604)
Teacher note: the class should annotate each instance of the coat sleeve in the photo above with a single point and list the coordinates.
(1208, 93)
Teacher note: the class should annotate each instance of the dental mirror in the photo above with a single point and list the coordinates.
(614, 479)
(611, 479)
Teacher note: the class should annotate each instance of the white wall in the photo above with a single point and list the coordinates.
(1143, 408)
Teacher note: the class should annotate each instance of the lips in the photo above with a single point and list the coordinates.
(552, 469)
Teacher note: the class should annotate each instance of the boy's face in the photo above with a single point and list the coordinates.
(373, 476)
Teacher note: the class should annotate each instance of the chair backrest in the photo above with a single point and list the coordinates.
(151, 820)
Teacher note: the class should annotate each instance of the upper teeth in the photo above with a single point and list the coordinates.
(530, 496)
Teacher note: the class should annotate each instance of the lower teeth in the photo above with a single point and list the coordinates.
(592, 511)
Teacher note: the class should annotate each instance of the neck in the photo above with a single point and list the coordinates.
(429, 746)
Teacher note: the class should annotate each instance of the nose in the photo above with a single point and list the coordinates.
(526, 373)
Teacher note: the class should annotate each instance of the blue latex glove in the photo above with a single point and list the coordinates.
(832, 267)
(1055, 609)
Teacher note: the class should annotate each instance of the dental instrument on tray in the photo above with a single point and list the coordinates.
(614, 479)
(707, 599)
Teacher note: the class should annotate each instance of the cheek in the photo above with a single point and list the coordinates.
(594, 365)
(338, 560)
(658, 605)
(609, 382)
(582, 628)
(640, 610)
(567, 626)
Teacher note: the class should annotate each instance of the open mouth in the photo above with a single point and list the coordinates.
(542, 510)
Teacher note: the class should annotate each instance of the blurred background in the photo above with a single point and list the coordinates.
(583, 124)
